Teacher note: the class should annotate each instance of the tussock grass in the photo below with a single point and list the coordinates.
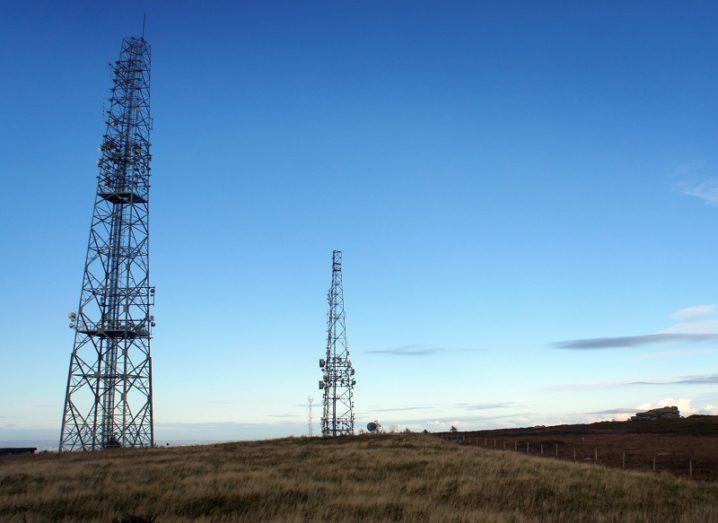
(377, 478)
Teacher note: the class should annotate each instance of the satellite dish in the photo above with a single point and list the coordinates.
(373, 426)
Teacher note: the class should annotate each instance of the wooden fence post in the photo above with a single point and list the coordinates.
(527, 447)
(541, 447)
(690, 467)
(516, 445)
(574, 453)
(654, 463)
(556, 449)
(595, 454)
(623, 460)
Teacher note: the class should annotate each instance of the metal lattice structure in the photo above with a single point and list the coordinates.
(108, 401)
(338, 380)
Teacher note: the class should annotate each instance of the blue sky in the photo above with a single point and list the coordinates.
(501, 177)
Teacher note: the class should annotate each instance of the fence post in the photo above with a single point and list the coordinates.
(494, 442)
(654, 463)
(556, 449)
(516, 445)
(574, 453)
(690, 467)
(595, 454)
(623, 460)
(527, 447)
(486, 442)
(541, 447)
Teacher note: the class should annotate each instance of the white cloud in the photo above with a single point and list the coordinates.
(685, 406)
(694, 313)
(706, 190)
(698, 319)
(675, 354)
(692, 179)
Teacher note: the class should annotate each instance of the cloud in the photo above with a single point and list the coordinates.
(464, 406)
(676, 354)
(694, 313)
(399, 409)
(455, 420)
(416, 350)
(635, 341)
(706, 379)
(620, 410)
(409, 350)
(693, 179)
(487, 406)
(685, 406)
(694, 324)
(706, 190)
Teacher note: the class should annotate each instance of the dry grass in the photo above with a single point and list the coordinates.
(387, 477)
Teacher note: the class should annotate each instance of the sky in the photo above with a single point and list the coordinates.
(526, 197)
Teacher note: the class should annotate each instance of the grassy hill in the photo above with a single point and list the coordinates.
(373, 477)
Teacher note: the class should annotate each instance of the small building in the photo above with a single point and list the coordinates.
(17, 450)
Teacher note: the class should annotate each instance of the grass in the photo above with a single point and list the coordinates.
(377, 477)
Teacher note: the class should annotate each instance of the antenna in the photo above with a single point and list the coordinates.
(310, 405)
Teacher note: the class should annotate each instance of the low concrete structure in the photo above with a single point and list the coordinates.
(656, 414)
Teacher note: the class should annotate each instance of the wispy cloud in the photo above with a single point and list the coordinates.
(706, 190)
(459, 419)
(694, 324)
(416, 349)
(695, 179)
(676, 354)
(620, 410)
(705, 379)
(634, 341)
(696, 312)
(487, 406)
(399, 409)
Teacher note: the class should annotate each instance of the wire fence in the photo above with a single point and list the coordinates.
(628, 459)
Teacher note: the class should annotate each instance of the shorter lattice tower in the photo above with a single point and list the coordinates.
(338, 380)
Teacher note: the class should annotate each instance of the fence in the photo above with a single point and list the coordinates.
(625, 459)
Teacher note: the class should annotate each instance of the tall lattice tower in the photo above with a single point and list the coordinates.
(338, 381)
(108, 402)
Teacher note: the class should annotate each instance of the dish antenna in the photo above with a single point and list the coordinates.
(373, 426)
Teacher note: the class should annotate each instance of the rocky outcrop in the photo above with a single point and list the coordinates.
(656, 414)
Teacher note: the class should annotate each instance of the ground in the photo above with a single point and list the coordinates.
(393, 477)
(684, 447)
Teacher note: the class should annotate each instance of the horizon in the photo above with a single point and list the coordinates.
(524, 197)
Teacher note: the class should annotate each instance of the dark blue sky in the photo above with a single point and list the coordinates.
(500, 176)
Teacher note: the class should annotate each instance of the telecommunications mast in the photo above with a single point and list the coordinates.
(338, 379)
(108, 400)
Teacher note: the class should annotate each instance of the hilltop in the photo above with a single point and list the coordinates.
(373, 477)
(684, 446)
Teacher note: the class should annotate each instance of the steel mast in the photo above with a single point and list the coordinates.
(108, 400)
(338, 380)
